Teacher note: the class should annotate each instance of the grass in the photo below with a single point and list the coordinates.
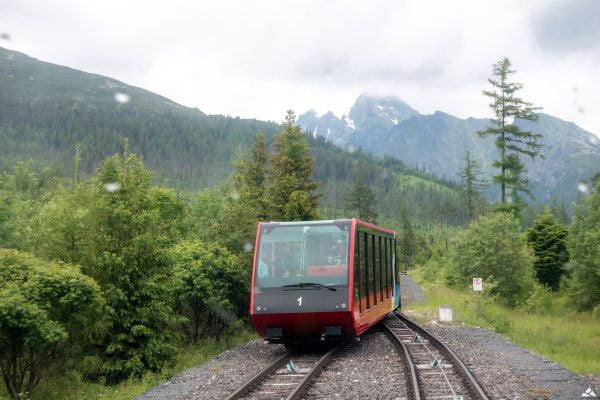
(72, 386)
(571, 339)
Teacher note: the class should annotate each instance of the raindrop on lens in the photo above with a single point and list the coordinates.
(248, 247)
(235, 195)
(112, 187)
(122, 98)
(582, 187)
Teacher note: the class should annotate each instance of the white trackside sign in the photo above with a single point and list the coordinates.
(478, 284)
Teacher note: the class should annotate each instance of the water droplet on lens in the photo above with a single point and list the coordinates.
(235, 195)
(122, 98)
(582, 187)
(112, 187)
(248, 247)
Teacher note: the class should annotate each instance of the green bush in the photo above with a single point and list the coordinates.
(493, 248)
(47, 310)
(210, 289)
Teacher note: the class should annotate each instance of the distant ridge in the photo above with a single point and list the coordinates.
(386, 125)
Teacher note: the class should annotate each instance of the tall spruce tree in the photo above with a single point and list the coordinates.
(291, 194)
(361, 200)
(511, 140)
(250, 177)
(472, 186)
(132, 267)
(548, 240)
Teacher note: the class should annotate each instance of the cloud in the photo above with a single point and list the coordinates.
(569, 25)
(257, 59)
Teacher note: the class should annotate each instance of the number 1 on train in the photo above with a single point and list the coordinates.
(299, 301)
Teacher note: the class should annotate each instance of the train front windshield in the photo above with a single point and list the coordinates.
(289, 255)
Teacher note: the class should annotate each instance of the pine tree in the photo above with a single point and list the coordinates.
(548, 240)
(511, 141)
(361, 200)
(408, 239)
(472, 186)
(291, 194)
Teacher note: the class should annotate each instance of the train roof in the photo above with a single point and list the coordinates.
(334, 221)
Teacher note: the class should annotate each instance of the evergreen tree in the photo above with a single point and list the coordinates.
(408, 239)
(584, 250)
(291, 191)
(472, 186)
(548, 240)
(250, 177)
(133, 269)
(511, 141)
(361, 200)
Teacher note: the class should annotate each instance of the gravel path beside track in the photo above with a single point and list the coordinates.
(505, 370)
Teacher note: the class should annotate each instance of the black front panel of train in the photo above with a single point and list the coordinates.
(281, 300)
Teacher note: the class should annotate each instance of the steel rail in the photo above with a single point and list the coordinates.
(475, 386)
(412, 374)
(249, 385)
(295, 395)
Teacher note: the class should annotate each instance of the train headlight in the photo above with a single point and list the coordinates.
(258, 308)
(343, 305)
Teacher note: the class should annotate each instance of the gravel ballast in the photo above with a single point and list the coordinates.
(369, 369)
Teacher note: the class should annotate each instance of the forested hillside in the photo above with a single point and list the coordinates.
(46, 109)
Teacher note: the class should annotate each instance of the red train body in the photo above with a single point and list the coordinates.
(322, 279)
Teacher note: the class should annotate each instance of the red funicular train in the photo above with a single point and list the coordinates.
(322, 279)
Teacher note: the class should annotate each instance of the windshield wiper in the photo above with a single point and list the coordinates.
(309, 284)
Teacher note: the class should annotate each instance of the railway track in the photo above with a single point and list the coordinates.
(433, 371)
(287, 377)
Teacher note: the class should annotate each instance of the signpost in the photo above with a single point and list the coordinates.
(478, 287)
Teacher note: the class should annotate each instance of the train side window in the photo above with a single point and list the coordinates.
(367, 270)
(384, 260)
(381, 268)
(377, 268)
(357, 271)
(388, 258)
(372, 270)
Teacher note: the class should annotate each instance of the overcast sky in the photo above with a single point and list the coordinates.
(257, 59)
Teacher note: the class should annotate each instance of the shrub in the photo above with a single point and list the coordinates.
(46, 309)
(494, 248)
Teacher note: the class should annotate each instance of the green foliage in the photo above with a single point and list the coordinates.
(361, 201)
(291, 194)
(584, 250)
(548, 240)
(493, 248)
(132, 268)
(510, 139)
(210, 289)
(46, 310)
